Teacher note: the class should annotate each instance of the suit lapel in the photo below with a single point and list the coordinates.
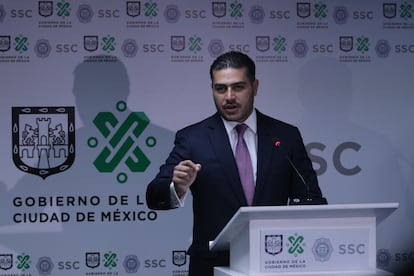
(264, 154)
(221, 146)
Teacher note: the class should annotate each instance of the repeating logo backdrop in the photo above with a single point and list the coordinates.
(92, 94)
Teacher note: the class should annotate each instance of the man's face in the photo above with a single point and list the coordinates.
(233, 93)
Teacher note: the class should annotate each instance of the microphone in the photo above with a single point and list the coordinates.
(308, 200)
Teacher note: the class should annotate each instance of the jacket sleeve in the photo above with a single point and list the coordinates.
(158, 193)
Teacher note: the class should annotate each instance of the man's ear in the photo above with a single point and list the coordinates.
(255, 86)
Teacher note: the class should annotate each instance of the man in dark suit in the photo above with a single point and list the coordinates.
(204, 160)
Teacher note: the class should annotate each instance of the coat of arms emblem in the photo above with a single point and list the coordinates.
(43, 139)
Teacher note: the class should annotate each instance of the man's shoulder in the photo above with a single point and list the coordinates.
(268, 120)
(208, 122)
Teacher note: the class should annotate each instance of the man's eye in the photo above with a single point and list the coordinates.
(220, 88)
(238, 87)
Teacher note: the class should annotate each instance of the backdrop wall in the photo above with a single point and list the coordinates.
(92, 94)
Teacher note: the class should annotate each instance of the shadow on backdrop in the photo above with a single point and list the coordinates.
(98, 87)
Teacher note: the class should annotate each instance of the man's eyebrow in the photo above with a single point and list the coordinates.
(230, 84)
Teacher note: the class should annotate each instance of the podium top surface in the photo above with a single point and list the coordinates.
(245, 214)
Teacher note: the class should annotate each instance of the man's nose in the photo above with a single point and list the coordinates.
(230, 93)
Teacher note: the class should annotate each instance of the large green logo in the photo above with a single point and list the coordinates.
(121, 138)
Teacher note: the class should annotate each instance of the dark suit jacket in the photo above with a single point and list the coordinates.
(217, 191)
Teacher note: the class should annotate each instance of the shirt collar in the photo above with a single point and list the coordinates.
(251, 122)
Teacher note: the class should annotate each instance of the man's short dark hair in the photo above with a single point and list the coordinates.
(236, 60)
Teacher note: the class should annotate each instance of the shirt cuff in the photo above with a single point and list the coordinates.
(175, 200)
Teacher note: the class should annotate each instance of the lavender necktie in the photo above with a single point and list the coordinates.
(244, 164)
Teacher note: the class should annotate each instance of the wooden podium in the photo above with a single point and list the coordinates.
(303, 240)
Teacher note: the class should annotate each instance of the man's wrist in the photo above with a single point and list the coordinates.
(180, 191)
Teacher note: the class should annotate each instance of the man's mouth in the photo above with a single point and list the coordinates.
(231, 108)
